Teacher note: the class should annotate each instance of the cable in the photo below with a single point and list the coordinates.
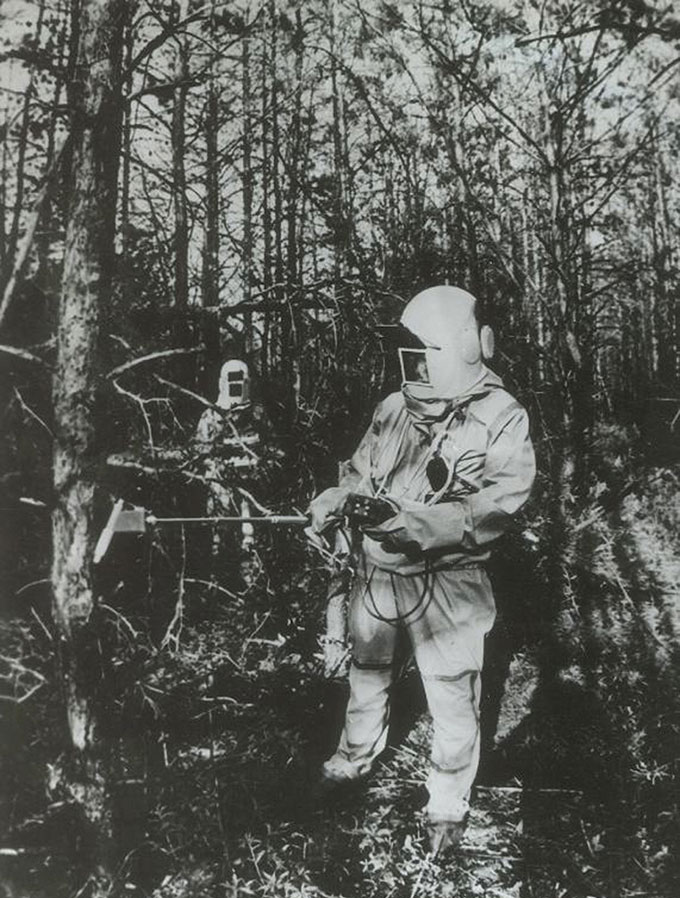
(422, 603)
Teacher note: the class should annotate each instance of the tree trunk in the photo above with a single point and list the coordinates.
(247, 195)
(275, 155)
(293, 294)
(179, 184)
(86, 283)
(339, 223)
(211, 271)
(266, 214)
(52, 211)
(129, 43)
(666, 299)
(22, 146)
(3, 203)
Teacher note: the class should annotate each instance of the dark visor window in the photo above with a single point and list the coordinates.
(235, 380)
(414, 366)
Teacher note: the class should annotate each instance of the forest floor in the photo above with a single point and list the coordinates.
(230, 808)
(214, 789)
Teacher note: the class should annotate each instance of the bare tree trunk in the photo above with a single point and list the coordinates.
(179, 183)
(266, 212)
(211, 272)
(340, 237)
(22, 146)
(3, 203)
(88, 262)
(666, 300)
(45, 234)
(293, 294)
(277, 293)
(247, 194)
(129, 43)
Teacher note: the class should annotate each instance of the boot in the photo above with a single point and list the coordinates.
(445, 836)
(339, 779)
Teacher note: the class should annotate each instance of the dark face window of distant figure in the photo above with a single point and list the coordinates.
(235, 380)
(414, 367)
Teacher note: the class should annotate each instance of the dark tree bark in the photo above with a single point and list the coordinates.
(22, 146)
(52, 209)
(247, 256)
(129, 43)
(276, 176)
(179, 182)
(665, 301)
(266, 207)
(339, 218)
(293, 311)
(3, 203)
(211, 250)
(211, 272)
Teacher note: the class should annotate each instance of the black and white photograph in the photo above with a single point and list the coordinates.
(339, 449)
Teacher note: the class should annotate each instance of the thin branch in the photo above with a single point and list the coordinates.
(141, 403)
(205, 402)
(29, 411)
(24, 355)
(557, 35)
(158, 41)
(174, 631)
(153, 356)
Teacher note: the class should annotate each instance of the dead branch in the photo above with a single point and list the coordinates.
(205, 402)
(116, 461)
(30, 585)
(151, 357)
(158, 41)
(174, 631)
(22, 354)
(29, 411)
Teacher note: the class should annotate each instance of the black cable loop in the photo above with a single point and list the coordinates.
(399, 618)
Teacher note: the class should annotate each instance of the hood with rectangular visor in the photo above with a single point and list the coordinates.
(234, 387)
(445, 357)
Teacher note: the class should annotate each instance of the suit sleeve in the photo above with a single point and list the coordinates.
(471, 522)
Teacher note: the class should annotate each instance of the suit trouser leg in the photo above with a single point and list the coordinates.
(447, 614)
(373, 644)
(448, 643)
(454, 706)
(366, 719)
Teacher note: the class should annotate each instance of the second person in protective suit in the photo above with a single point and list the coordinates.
(445, 464)
(229, 443)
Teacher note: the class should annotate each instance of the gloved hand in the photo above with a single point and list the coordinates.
(394, 541)
(368, 511)
(326, 509)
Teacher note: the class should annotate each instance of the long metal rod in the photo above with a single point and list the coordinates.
(234, 519)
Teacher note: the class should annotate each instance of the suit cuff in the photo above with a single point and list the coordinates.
(436, 527)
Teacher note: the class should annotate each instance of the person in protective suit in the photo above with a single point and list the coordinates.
(445, 464)
(229, 444)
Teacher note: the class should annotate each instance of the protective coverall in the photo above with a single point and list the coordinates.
(230, 447)
(423, 569)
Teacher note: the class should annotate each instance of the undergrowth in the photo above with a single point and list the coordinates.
(216, 736)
